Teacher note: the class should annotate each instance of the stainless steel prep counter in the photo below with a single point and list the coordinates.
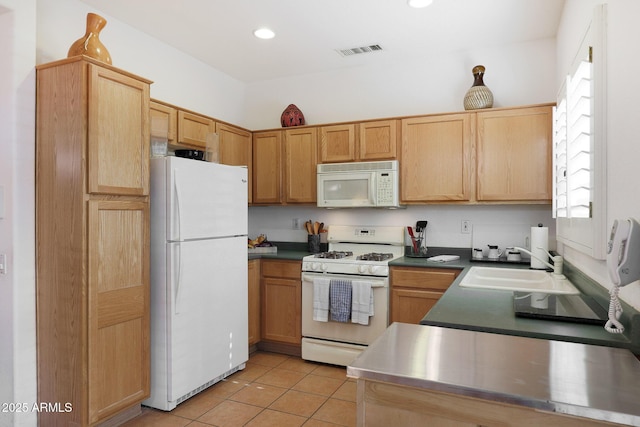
(594, 382)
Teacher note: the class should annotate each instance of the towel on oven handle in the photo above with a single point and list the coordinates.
(321, 299)
(361, 302)
(340, 300)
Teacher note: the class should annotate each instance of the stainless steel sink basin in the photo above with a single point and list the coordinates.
(512, 279)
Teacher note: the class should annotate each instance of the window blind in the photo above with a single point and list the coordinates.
(573, 144)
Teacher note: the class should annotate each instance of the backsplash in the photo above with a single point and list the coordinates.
(510, 224)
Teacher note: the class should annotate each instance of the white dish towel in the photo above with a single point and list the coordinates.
(361, 302)
(321, 299)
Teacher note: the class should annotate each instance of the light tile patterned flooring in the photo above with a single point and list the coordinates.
(273, 390)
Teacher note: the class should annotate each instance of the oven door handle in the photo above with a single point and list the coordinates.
(375, 283)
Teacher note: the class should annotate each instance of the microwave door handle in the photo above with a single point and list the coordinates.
(372, 189)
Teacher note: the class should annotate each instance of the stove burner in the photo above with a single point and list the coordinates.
(334, 254)
(375, 256)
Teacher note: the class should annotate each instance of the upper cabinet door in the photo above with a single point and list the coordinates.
(338, 143)
(514, 154)
(118, 133)
(378, 140)
(235, 145)
(267, 167)
(164, 120)
(235, 148)
(436, 158)
(193, 129)
(300, 147)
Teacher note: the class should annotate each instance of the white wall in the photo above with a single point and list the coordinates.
(17, 286)
(503, 225)
(623, 126)
(516, 74)
(178, 79)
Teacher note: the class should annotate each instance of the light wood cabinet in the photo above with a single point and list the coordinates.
(164, 121)
(351, 142)
(378, 140)
(235, 148)
(281, 301)
(514, 154)
(300, 148)
(92, 240)
(254, 301)
(415, 290)
(235, 145)
(436, 158)
(194, 129)
(267, 167)
(338, 143)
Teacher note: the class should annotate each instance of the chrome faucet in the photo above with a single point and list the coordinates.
(557, 260)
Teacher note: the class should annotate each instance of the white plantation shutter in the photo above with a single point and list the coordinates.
(573, 144)
(560, 159)
(579, 146)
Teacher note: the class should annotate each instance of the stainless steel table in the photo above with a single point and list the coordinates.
(600, 383)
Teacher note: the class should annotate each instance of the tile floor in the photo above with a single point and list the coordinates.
(273, 390)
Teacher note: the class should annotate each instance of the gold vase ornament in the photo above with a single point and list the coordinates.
(478, 96)
(90, 44)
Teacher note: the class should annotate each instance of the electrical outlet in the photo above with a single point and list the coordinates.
(296, 225)
(465, 227)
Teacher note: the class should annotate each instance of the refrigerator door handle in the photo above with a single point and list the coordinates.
(176, 184)
(179, 278)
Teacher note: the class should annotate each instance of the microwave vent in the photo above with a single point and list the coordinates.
(358, 166)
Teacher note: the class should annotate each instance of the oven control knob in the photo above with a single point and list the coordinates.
(362, 268)
(324, 267)
(376, 269)
(315, 266)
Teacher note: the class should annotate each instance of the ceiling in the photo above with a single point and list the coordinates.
(309, 32)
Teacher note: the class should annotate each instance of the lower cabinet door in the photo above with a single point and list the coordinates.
(254, 300)
(410, 306)
(118, 306)
(281, 310)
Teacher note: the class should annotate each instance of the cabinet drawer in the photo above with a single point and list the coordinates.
(423, 278)
(282, 269)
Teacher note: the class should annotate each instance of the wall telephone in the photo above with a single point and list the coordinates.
(623, 265)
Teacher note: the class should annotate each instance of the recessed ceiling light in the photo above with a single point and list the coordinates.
(264, 33)
(419, 3)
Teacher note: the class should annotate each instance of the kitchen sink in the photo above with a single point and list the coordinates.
(513, 279)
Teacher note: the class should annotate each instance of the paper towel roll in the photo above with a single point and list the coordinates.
(539, 239)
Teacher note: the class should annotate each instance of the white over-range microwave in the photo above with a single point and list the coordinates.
(359, 185)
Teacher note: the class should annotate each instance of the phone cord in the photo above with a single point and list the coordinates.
(615, 311)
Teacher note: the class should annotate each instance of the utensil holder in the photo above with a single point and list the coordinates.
(416, 250)
(314, 243)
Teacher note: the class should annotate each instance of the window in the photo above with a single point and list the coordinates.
(579, 147)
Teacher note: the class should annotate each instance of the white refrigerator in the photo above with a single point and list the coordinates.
(199, 313)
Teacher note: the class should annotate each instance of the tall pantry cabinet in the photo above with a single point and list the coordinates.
(92, 241)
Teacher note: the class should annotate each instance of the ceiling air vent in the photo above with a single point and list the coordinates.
(359, 50)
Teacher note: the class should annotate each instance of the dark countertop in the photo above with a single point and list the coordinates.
(602, 384)
(293, 251)
(487, 310)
